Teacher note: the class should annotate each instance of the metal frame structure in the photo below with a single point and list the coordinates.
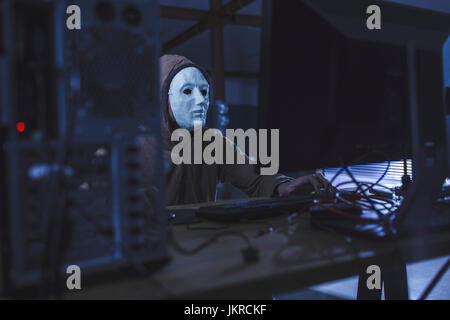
(215, 19)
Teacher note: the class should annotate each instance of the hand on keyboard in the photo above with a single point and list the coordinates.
(303, 185)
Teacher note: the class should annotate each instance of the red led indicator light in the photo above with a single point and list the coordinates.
(20, 126)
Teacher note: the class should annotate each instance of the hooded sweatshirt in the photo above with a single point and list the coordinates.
(194, 183)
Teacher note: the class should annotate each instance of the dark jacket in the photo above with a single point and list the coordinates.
(191, 183)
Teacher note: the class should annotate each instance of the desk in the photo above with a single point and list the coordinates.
(291, 257)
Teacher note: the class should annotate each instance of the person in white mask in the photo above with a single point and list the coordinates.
(186, 95)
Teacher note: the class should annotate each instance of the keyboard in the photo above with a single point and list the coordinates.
(255, 209)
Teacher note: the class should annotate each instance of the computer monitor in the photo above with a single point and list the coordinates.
(340, 92)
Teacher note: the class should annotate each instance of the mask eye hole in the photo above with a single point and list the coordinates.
(204, 92)
(187, 91)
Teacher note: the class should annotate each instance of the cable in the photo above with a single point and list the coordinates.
(353, 204)
(358, 160)
(375, 196)
(348, 216)
(363, 197)
(349, 173)
(53, 206)
(435, 280)
(207, 243)
(364, 183)
(337, 174)
(382, 176)
(393, 206)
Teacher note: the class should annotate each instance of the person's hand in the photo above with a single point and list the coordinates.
(303, 185)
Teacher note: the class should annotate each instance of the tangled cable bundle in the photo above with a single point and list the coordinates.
(383, 205)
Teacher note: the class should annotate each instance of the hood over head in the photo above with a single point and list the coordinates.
(170, 65)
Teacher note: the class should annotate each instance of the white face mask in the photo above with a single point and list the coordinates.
(189, 98)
